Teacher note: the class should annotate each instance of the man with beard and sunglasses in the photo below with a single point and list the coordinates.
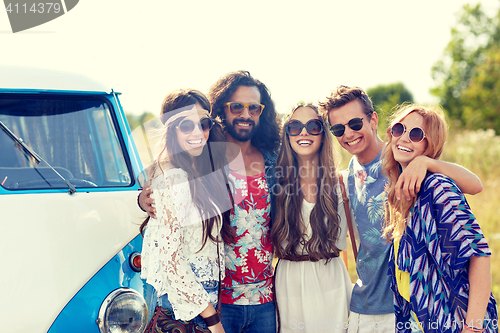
(354, 122)
(244, 106)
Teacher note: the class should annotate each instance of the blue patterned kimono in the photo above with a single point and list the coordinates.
(441, 237)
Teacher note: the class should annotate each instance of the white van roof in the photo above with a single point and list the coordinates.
(12, 77)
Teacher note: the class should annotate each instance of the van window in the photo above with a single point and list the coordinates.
(75, 135)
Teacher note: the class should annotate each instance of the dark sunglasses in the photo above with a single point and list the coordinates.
(416, 134)
(186, 126)
(355, 124)
(313, 127)
(254, 109)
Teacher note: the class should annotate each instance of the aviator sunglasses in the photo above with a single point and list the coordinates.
(254, 109)
(355, 124)
(313, 127)
(416, 134)
(186, 126)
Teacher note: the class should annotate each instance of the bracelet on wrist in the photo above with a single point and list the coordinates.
(473, 329)
(213, 319)
(139, 204)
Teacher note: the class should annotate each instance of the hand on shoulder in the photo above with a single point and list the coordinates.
(146, 203)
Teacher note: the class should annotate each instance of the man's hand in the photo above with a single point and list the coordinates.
(414, 174)
(412, 177)
(147, 203)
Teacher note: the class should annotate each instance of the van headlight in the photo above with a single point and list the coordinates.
(123, 311)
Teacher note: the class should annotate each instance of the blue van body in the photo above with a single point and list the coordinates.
(68, 189)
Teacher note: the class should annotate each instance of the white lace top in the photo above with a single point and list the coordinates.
(171, 262)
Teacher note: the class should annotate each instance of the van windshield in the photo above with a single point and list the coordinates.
(75, 135)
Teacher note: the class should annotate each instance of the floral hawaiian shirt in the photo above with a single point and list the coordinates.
(249, 272)
(371, 295)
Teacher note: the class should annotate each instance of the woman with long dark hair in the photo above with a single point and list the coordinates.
(313, 288)
(182, 256)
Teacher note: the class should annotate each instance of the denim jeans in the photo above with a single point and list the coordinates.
(249, 318)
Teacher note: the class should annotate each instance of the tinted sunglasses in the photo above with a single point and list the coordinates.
(313, 127)
(416, 134)
(186, 126)
(355, 124)
(254, 109)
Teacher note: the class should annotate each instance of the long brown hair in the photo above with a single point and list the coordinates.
(324, 218)
(435, 130)
(208, 192)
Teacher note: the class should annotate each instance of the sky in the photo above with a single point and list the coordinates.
(301, 50)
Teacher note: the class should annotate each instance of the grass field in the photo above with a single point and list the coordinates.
(478, 151)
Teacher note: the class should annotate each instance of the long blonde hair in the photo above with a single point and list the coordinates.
(435, 130)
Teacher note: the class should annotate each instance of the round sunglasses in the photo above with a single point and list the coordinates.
(313, 127)
(416, 134)
(254, 109)
(355, 124)
(186, 126)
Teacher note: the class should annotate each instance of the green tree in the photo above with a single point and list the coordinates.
(482, 96)
(466, 73)
(135, 121)
(385, 97)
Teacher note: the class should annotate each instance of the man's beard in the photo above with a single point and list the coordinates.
(241, 135)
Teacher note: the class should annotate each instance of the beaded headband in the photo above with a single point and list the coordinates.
(186, 113)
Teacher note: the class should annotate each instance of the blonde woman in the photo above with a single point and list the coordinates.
(440, 261)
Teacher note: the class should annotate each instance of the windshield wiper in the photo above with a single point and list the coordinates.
(31, 153)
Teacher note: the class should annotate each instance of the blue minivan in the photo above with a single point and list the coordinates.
(69, 217)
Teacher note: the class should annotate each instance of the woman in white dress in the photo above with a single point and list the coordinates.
(313, 288)
(182, 255)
